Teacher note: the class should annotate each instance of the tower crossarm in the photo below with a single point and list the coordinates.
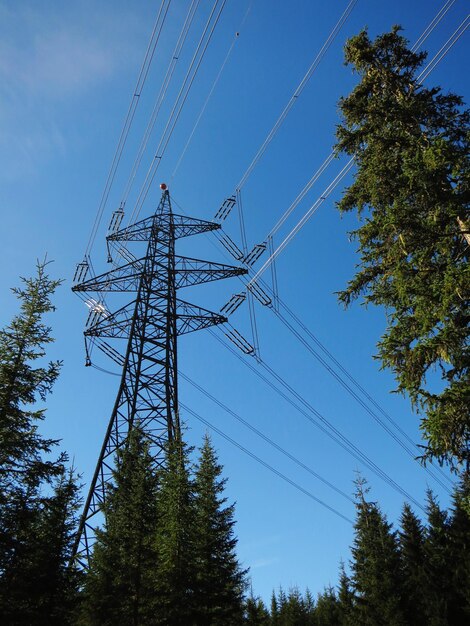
(124, 278)
(193, 271)
(182, 227)
(187, 271)
(114, 325)
(189, 318)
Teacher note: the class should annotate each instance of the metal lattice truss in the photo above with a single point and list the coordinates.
(150, 324)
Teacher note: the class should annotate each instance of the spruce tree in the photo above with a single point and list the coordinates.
(37, 501)
(438, 565)
(414, 575)
(25, 380)
(175, 571)
(411, 148)
(54, 581)
(220, 581)
(275, 604)
(459, 552)
(119, 586)
(256, 613)
(327, 610)
(345, 598)
(292, 610)
(375, 567)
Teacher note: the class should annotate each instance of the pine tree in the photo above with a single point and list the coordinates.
(256, 613)
(438, 565)
(220, 581)
(23, 464)
(175, 573)
(345, 598)
(327, 610)
(37, 501)
(411, 148)
(414, 576)
(375, 567)
(119, 587)
(54, 581)
(459, 552)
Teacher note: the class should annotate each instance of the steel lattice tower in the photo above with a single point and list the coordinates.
(151, 323)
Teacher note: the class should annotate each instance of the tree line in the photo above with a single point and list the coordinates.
(416, 575)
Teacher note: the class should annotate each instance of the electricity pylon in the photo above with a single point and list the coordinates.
(150, 325)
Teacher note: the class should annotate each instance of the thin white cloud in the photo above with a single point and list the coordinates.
(259, 563)
(50, 58)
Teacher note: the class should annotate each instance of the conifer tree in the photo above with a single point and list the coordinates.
(220, 581)
(37, 501)
(24, 382)
(375, 567)
(175, 572)
(119, 587)
(345, 598)
(411, 148)
(275, 608)
(256, 613)
(438, 565)
(54, 582)
(40, 585)
(327, 610)
(459, 552)
(414, 575)
(292, 610)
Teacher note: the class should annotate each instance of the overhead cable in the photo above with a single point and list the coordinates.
(154, 38)
(432, 25)
(315, 206)
(272, 469)
(265, 437)
(441, 53)
(211, 91)
(178, 105)
(302, 406)
(298, 91)
(161, 96)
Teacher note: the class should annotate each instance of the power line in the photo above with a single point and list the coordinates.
(265, 437)
(265, 464)
(442, 52)
(178, 105)
(161, 95)
(432, 25)
(315, 206)
(211, 91)
(154, 38)
(316, 418)
(297, 92)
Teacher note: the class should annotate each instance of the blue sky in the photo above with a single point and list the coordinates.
(67, 73)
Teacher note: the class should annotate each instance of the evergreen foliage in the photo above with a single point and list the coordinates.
(411, 188)
(418, 575)
(220, 582)
(119, 587)
(23, 382)
(175, 573)
(375, 567)
(38, 499)
(256, 613)
(411, 539)
(166, 552)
